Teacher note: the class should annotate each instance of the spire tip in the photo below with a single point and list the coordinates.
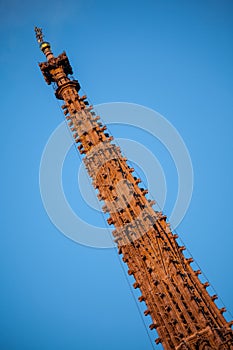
(39, 35)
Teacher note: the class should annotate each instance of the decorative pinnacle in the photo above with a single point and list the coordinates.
(39, 35)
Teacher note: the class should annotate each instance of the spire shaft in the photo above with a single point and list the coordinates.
(181, 309)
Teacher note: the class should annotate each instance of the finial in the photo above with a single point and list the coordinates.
(44, 45)
(39, 35)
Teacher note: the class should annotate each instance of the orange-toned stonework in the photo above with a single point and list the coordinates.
(184, 315)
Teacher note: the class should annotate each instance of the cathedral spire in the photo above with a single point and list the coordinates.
(183, 313)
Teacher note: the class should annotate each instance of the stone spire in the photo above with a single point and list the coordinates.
(183, 313)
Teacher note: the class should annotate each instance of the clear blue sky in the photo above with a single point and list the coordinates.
(173, 56)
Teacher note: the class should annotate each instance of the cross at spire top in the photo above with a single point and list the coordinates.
(39, 35)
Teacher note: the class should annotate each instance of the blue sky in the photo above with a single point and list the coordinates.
(172, 56)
